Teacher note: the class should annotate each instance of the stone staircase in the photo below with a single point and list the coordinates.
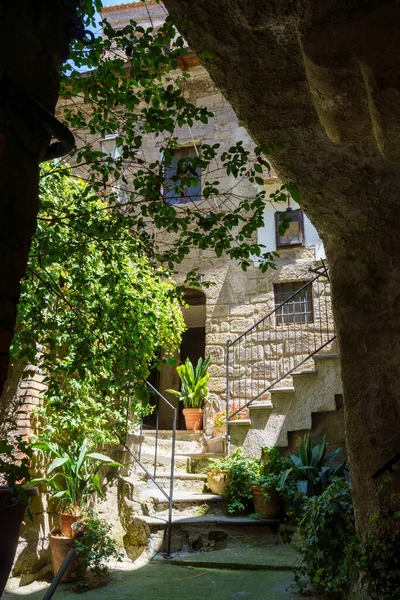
(199, 518)
(291, 406)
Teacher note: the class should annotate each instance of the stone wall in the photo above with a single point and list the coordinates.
(236, 299)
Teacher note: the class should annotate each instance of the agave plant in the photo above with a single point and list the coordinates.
(73, 474)
(312, 469)
(194, 388)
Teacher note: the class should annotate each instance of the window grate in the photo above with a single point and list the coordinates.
(299, 309)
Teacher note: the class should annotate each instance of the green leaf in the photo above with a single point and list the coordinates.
(57, 462)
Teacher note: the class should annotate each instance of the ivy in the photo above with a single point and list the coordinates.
(93, 313)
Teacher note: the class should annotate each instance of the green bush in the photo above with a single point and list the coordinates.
(243, 473)
(377, 559)
(94, 549)
(73, 474)
(273, 464)
(326, 528)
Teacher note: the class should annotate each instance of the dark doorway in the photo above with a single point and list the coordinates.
(193, 346)
(149, 422)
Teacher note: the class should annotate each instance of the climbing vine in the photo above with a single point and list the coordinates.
(93, 313)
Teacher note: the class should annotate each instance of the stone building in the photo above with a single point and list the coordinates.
(238, 300)
(271, 333)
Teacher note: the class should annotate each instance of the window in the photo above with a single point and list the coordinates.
(109, 146)
(299, 309)
(182, 178)
(294, 235)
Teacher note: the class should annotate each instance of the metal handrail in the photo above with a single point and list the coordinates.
(388, 466)
(276, 309)
(153, 477)
(60, 573)
(265, 331)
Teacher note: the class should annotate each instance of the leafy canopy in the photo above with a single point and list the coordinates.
(138, 89)
(93, 313)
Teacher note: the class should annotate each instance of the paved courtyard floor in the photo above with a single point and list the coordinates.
(171, 582)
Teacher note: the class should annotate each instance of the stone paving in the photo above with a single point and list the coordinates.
(169, 582)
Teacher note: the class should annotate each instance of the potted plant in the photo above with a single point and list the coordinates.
(236, 473)
(14, 499)
(93, 549)
(194, 391)
(218, 475)
(311, 468)
(73, 478)
(218, 419)
(267, 499)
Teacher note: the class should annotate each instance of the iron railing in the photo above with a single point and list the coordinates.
(278, 344)
(169, 495)
(137, 458)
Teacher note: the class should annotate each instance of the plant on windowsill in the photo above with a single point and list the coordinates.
(194, 391)
(74, 480)
(266, 492)
(15, 456)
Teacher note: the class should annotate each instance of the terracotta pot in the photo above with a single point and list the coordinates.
(60, 546)
(66, 522)
(12, 514)
(217, 480)
(193, 418)
(219, 430)
(268, 509)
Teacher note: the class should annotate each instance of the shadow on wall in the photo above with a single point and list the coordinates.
(330, 424)
(33, 553)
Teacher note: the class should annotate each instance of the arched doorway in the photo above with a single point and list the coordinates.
(192, 347)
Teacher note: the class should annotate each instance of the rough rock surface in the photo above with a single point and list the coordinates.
(34, 40)
(323, 78)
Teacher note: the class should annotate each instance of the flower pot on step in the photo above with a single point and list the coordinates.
(270, 508)
(219, 430)
(193, 418)
(60, 546)
(65, 524)
(12, 513)
(217, 480)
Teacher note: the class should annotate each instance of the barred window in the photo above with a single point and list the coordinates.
(299, 309)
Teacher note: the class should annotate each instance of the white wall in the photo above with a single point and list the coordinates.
(266, 234)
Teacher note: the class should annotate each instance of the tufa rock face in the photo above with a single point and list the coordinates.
(34, 40)
(323, 79)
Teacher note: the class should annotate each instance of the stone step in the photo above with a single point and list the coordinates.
(213, 532)
(193, 482)
(198, 462)
(216, 445)
(185, 441)
(247, 556)
(185, 503)
(163, 462)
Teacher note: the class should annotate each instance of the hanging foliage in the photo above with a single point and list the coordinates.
(93, 313)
